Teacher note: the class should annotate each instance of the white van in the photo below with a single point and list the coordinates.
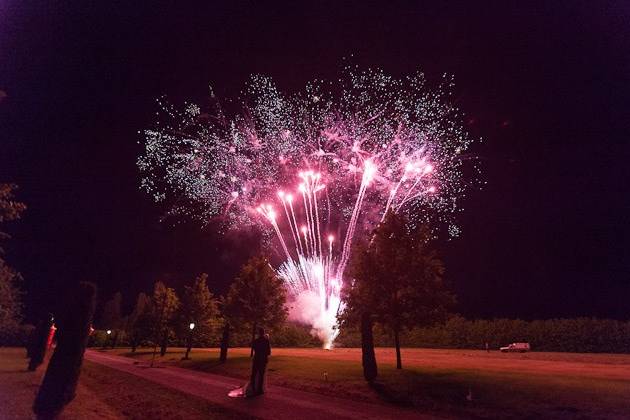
(516, 347)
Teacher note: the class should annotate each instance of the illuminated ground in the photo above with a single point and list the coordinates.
(279, 402)
(102, 393)
(551, 385)
(434, 382)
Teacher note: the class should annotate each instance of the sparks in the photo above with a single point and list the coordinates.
(302, 169)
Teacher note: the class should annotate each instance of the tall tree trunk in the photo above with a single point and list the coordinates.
(368, 357)
(37, 350)
(60, 383)
(397, 343)
(251, 353)
(225, 343)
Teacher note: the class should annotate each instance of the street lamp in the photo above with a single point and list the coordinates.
(191, 327)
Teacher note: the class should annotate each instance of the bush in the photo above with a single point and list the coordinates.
(294, 335)
(590, 335)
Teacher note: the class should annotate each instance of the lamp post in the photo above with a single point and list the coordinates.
(109, 338)
(191, 327)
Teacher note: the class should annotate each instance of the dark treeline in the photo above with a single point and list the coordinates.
(287, 335)
(581, 335)
(195, 317)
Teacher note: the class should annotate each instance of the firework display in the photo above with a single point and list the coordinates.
(313, 170)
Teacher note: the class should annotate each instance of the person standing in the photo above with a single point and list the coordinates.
(262, 350)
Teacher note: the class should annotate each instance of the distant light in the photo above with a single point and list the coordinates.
(109, 332)
(192, 326)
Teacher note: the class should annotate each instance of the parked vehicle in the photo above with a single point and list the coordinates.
(516, 348)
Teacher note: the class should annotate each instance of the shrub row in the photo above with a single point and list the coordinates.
(584, 335)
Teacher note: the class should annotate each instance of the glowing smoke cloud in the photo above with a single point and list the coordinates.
(313, 170)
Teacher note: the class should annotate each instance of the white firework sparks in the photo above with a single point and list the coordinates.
(370, 145)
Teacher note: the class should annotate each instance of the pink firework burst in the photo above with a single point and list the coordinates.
(314, 169)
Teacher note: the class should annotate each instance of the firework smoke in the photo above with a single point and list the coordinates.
(314, 170)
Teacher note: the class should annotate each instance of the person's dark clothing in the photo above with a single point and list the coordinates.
(262, 350)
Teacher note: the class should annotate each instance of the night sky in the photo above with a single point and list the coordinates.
(546, 85)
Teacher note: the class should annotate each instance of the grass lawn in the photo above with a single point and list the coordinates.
(535, 385)
(103, 393)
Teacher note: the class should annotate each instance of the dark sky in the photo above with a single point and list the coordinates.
(545, 84)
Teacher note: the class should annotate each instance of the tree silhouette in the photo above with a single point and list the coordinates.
(60, 382)
(36, 348)
(10, 293)
(398, 279)
(361, 301)
(112, 318)
(9, 208)
(199, 307)
(164, 305)
(138, 323)
(10, 302)
(257, 297)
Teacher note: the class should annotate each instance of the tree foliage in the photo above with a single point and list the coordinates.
(397, 279)
(10, 302)
(9, 208)
(112, 312)
(138, 325)
(257, 297)
(10, 280)
(112, 318)
(201, 307)
(164, 306)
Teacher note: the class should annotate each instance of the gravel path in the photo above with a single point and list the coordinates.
(277, 403)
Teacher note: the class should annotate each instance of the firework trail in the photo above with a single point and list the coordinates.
(314, 170)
